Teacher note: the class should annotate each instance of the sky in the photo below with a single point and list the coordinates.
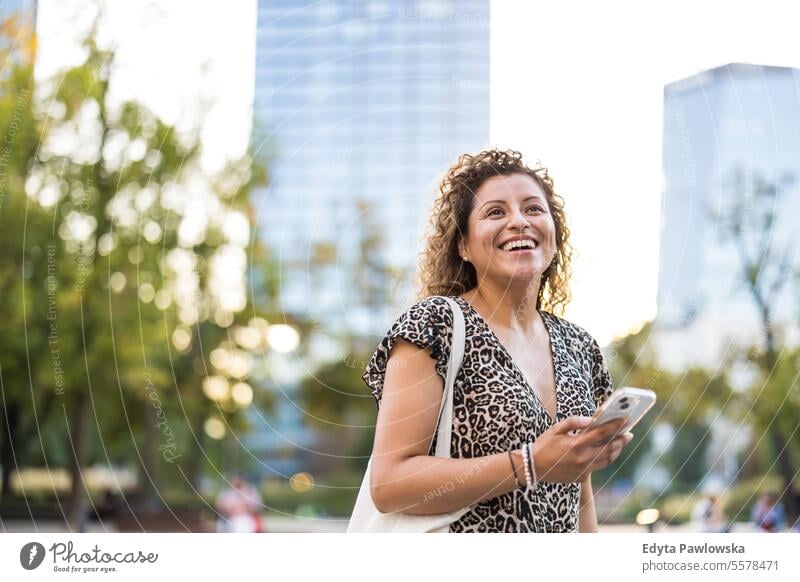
(578, 86)
(169, 52)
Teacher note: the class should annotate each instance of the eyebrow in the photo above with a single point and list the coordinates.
(503, 201)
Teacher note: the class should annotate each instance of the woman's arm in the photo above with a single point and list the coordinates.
(587, 518)
(405, 478)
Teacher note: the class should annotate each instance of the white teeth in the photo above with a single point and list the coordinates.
(517, 244)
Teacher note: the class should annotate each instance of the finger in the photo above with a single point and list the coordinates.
(622, 439)
(600, 453)
(615, 424)
(611, 458)
(572, 423)
(610, 451)
(610, 426)
(605, 459)
(605, 431)
(600, 463)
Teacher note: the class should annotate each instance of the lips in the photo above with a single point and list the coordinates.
(519, 244)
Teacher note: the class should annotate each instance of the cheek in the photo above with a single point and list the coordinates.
(553, 237)
(482, 239)
(551, 233)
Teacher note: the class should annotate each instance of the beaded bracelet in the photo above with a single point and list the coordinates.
(514, 470)
(535, 479)
(527, 463)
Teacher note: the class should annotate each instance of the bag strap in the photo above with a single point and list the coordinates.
(445, 418)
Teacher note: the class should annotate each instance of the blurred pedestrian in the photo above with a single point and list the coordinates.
(768, 514)
(708, 515)
(240, 508)
(108, 506)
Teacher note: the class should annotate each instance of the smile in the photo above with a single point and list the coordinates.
(520, 246)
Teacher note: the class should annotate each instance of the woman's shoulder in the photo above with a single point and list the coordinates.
(431, 310)
(435, 302)
(427, 325)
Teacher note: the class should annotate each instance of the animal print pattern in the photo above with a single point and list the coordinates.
(495, 409)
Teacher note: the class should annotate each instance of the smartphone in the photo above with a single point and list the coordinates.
(626, 402)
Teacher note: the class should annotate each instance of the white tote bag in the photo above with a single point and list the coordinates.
(366, 518)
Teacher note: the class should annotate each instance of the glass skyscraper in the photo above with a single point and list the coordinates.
(728, 132)
(360, 106)
(731, 134)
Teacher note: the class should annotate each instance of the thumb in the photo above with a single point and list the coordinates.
(571, 423)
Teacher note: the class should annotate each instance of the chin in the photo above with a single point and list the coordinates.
(527, 277)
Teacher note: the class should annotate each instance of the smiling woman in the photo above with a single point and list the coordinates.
(529, 380)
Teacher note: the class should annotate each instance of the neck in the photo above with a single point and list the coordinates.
(512, 306)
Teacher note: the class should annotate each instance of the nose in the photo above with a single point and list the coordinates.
(518, 220)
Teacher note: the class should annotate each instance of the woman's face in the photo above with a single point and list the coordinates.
(505, 209)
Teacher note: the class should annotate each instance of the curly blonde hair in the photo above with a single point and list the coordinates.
(442, 272)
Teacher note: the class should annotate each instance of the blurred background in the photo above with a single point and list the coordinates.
(210, 215)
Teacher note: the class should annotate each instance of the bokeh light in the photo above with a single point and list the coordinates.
(283, 338)
(301, 482)
(214, 428)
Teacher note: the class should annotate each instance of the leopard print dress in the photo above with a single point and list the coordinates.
(496, 410)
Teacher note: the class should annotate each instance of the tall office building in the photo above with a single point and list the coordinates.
(727, 132)
(360, 107)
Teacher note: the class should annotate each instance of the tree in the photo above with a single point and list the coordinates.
(335, 404)
(119, 287)
(23, 264)
(632, 362)
(334, 396)
(752, 221)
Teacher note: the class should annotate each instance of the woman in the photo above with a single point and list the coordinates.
(529, 379)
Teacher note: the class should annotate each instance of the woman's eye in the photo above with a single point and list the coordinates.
(536, 207)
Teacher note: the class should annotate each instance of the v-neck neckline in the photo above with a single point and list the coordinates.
(553, 356)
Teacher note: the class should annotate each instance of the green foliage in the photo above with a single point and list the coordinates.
(685, 458)
(92, 200)
(692, 400)
(687, 402)
(335, 393)
(337, 405)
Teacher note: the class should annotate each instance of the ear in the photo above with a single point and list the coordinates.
(462, 247)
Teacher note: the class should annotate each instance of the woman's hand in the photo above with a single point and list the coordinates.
(561, 457)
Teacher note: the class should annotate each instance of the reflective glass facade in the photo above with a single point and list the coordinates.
(360, 106)
(736, 119)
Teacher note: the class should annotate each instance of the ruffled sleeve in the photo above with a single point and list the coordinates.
(428, 324)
